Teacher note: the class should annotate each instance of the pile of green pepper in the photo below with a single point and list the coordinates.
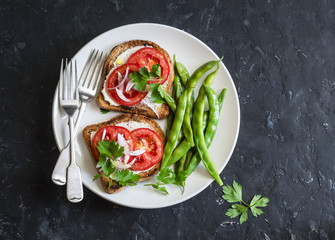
(191, 129)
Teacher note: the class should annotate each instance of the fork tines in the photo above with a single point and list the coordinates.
(68, 82)
(94, 61)
(68, 89)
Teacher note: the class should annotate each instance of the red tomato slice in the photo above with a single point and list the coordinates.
(147, 57)
(148, 140)
(111, 134)
(132, 95)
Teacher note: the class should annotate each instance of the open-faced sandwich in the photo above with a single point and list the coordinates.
(126, 149)
(128, 72)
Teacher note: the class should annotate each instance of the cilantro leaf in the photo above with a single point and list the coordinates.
(244, 216)
(234, 194)
(109, 152)
(256, 211)
(180, 180)
(125, 177)
(232, 212)
(257, 201)
(166, 176)
(116, 150)
(97, 177)
(160, 189)
(236, 210)
(144, 72)
(110, 149)
(104, 111)
(156, 94)
(106, 165)
(139, 80)
(103, 147)
(142, 76)
(155, 71)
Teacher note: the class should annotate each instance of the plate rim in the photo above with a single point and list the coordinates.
(102, 195)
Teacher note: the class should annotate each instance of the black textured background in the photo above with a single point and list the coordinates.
(280, 55)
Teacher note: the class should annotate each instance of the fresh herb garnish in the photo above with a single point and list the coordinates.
(156, 93)
(109, 152)
(142, 76)
(155, 72)
(125, 177)
(109, 149)
(104, 111)
(234, 194)
(166, 176)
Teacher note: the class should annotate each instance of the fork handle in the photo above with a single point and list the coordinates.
(59, 173)
(80, 115)
(74, 190)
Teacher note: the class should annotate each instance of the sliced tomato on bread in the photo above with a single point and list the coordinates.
(148, 140)
(147, 57)
(150, 54)
(153, 142)
(117, 84)
(111, 133)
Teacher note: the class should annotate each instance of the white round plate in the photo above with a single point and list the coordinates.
(192, 53)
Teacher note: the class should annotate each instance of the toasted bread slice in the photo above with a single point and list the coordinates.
(141, 108)
(114, 121)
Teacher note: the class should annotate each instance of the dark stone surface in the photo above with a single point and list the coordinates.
(280, 55)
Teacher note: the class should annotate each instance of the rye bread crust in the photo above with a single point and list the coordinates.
(141, 108)
(116, 120)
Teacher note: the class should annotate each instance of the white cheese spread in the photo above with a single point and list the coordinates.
(118, 62)
(121, 59)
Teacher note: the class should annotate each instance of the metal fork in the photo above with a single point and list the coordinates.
(69, 100)
(88, 88)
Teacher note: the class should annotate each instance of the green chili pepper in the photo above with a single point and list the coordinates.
(175, 130)
(197, 122)
(204, 120)
(189, 156)
(182, 71)
(169, 123)
(188, 142)
(187, 128)
(214, 114)
(221, 97)
(171, 114)
(179, 168)
(192, 81)
(177, 85)
(220, 101)
(200, 141)
(194, 162)
(179, 152)
(169, 100)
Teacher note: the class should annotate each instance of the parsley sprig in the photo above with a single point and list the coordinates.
(142, 76)
(109, 152)
(157, 95)
(104, 111)
(233, 194)
(166, 176)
